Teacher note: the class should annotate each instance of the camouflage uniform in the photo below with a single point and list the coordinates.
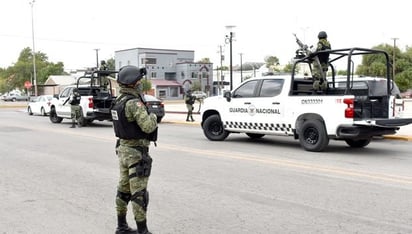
(128, 156)
(189, 100)
(319, 73)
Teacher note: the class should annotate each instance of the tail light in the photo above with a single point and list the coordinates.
(349, 111)
(91, 102)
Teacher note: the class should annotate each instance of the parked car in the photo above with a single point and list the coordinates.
(40, 105)
(16, 97)
(155, 105)
(199, 94)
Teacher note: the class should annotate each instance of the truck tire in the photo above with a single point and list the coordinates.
(313, 136)
(255, 135)
(53, 116)
(358, 143)
(213, 129)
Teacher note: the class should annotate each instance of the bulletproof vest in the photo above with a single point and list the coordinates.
(76, 99)
(122, 127)
(324, 57)
(190, 100)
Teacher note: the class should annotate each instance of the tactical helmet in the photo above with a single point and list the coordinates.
(322, 35)
(75, 90)
(130, 74)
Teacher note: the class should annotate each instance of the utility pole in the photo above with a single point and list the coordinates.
(222, 57)
(241, 67)
(394, 47)
(229, 39)
(34, 51)
(97, 58)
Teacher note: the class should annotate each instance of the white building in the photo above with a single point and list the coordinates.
(171, 72)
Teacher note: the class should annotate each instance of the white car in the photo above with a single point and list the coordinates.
(40, 105)
(199, 94)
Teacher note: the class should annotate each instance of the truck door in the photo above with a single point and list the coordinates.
(64, 110)
(236, 114)
(268, 105)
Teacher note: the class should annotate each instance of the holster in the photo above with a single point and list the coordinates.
(144, 166)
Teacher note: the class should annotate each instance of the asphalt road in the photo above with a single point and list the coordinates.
(54, 179)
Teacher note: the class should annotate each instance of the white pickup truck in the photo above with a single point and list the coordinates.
(353, 109)
(95, 103)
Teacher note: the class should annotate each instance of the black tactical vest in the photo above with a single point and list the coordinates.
(76, 99)
(122, 127)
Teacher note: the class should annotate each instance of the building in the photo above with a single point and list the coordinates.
(171, 72)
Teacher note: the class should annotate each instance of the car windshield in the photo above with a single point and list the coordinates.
(150, 98)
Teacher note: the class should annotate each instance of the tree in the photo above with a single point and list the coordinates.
(111, 64)
(204, 60)
(147, 85)
(15, 76)
(272, 62)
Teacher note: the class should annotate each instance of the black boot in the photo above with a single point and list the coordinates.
(123, 227)
(142, 227)
(73, 125)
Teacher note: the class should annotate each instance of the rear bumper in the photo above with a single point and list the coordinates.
(363, 132)
(98, 116)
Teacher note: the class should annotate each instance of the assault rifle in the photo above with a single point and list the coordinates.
(304, 51)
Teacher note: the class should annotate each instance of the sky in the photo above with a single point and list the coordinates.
(71, 31)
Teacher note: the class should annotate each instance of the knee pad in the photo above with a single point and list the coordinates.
(124, 196)
(141, 198)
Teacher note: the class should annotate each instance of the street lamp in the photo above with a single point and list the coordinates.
(229, 39)
(34, 51)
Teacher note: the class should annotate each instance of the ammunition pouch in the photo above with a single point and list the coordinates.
(144, 166)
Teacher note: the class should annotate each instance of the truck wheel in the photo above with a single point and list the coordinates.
(358, 143)
(255, 135)
(213, 128)
(53, 116)
(313, 136)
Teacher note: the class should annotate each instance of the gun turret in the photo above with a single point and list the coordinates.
(303, 48)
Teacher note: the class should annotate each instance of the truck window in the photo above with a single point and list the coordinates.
(65, 93)
(271, 88)
(246, 90)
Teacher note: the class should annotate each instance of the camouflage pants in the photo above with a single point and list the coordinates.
(75, 112)
(189, 111)
(319, 76)
(129, 156)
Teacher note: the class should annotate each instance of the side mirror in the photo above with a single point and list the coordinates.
(56, 96)
(227, 95)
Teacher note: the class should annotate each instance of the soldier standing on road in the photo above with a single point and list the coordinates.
(189, 100)
(135, 128)
(320, 69)
(74, 101)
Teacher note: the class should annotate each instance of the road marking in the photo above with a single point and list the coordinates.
(293, 164)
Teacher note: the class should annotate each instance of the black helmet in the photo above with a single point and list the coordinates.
(322, 35)
(75, 90)
(130, 74)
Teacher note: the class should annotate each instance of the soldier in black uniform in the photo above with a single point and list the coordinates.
(135, 129)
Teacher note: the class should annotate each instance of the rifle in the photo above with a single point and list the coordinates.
(305, 50)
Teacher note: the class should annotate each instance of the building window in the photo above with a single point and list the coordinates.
(148, 61)
(194, 74)
(153, 75)
(120, 64)
(162, 93)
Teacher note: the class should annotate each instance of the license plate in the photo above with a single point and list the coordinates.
(154, 106)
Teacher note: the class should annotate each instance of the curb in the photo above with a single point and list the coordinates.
(398, 137)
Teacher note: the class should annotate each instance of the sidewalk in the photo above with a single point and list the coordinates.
(176, 113)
